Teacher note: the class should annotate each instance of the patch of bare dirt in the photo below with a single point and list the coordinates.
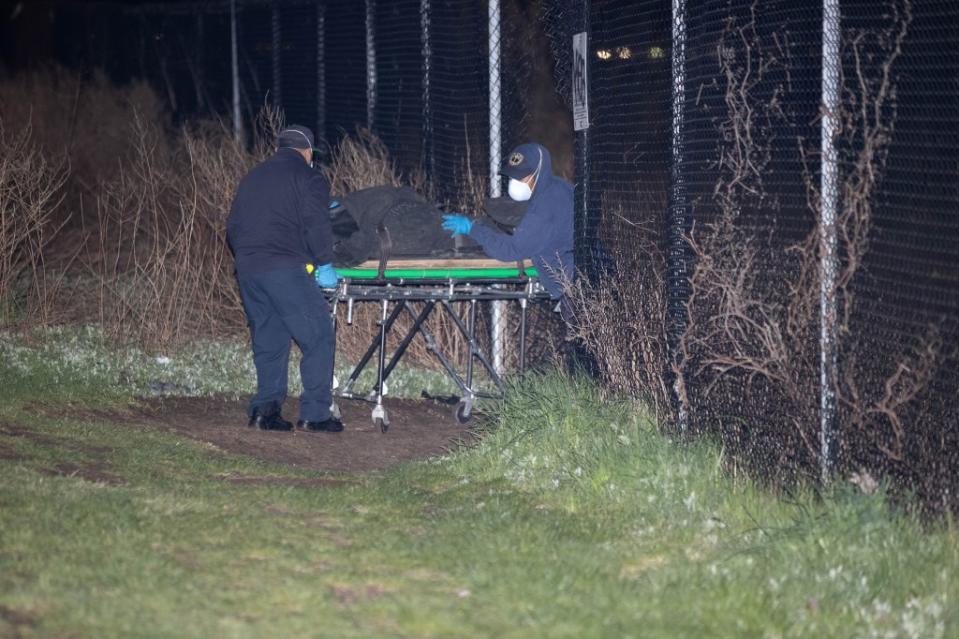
(41, 439)
(79, 411)
(418, 429)
(96, 472)
(20, 621)
(350, 595)
(12, 430)
(262, 480)
(6, 452)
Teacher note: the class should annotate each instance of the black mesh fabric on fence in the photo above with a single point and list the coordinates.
(532, 108)
(182, 54)
(345, 40)
(429, 81)
(398, 119)
(459, 101)
(517, 79)
(298, 57)
(899, 357)
(212, 64)
(254, 28)
(743, 186)
(630, 125)
(752, 95)
(170, 59)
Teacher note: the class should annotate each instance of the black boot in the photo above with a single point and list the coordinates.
(331, 425)
(269, 417)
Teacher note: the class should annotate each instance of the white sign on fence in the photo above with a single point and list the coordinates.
(580, 83)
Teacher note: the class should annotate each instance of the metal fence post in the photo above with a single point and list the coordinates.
(828, 243)
(677, 263)
(320, 133)
(427, 53)
(495, 108)
(235, 69)
(370, 63)
(276, 45)
(498, 336)
(199, 81)
(583, 231)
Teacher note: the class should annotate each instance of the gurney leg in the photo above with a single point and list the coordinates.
(358, 370)
(522, 336)
(471, 342)
(380, 417)
(474, 348)
(408, 338)
(334, 408)
(464, 410)
(445, 363)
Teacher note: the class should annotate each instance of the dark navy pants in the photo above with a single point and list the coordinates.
(282, 305)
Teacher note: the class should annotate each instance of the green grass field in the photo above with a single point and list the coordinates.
(572, 517)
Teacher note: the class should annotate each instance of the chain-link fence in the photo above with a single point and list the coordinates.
(766, 191)
(791, 168)
(424, 75)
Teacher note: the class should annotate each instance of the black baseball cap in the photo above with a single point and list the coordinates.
(296, 136)
(523, 161)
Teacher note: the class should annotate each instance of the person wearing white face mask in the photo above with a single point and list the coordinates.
(545, 234)
(521, 190)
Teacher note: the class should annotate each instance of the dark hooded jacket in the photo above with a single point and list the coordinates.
(544, 235)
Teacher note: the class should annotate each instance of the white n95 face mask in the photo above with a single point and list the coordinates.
(519, 191)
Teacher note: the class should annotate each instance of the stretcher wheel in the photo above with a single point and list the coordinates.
(380, 418)
(463, 412)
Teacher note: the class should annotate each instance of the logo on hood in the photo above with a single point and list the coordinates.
(516, 159)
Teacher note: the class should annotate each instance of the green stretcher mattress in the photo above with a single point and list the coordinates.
(437, 273)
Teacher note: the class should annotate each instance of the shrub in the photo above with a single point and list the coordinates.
(165, 271)
(31, 188)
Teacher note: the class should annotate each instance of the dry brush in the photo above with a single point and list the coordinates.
(31, 189)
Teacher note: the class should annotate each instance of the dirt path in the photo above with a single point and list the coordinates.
(418, 429)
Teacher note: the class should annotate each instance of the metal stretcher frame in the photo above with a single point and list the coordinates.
(395, 290)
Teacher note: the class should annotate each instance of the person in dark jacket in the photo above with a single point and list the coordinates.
(278, 225)
(545, 234)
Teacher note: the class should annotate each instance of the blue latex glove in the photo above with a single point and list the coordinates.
(334, 204)
(326, 276)
(457, 225)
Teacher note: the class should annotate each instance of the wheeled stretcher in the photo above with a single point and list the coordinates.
(417, 289)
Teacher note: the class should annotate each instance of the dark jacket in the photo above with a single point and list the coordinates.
(280, 216)
(545, 233)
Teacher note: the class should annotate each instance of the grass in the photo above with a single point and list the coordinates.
(573, 517)
(78, 362)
